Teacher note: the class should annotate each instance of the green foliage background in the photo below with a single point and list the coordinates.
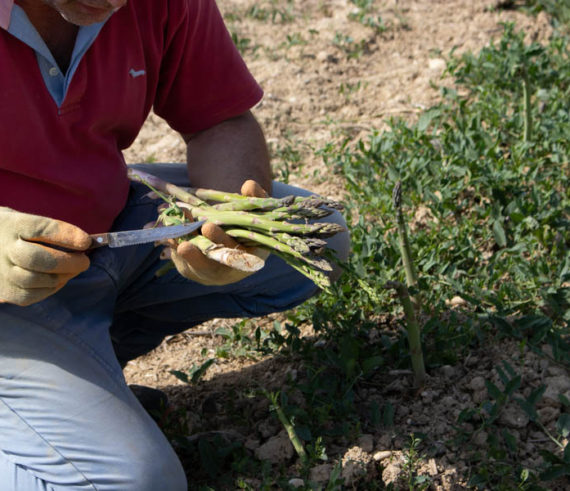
(488, 209)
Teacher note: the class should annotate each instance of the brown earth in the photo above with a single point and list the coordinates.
(326, 77)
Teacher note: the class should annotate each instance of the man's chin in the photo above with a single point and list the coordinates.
(85, 16)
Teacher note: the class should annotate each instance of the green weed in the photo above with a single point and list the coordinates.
(272, 11)
(412, 457)
(350, 47)
(243, 44)
(365, 15)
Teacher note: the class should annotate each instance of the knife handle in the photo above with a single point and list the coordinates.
(98, 240)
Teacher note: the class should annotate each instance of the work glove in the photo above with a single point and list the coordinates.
(192, 264)
(36, 256)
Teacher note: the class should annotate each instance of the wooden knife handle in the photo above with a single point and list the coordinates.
(98, 240)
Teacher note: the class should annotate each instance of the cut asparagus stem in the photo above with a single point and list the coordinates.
(234, 258)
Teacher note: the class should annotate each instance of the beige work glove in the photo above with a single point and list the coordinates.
(31, 270)
(192, 264)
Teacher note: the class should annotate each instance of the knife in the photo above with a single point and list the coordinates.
(134, 237)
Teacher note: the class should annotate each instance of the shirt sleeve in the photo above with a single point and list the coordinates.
(203, 78)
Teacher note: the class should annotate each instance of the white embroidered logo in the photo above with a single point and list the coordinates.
(136, 73)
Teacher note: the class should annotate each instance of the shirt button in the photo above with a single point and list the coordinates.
(53, 71)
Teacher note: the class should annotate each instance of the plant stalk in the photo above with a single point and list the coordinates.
(527, 107)
(413, 330)
(295, 440)
(405, 250)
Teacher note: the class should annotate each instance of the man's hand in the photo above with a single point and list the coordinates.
(30, 268)
(192, 264)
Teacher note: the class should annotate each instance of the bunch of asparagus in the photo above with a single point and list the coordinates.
(279, 225)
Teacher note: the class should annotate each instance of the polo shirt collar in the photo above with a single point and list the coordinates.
(5, 11)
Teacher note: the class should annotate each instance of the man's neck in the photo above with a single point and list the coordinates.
(58, 34)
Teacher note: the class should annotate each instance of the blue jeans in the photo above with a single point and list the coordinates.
(68, 420)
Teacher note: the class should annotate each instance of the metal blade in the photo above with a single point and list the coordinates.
(134, 237)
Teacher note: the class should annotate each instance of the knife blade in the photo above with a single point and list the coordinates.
(143, 236)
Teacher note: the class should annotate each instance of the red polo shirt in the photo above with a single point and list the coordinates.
(174, 56)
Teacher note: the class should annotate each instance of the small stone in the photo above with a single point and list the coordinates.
(322, 56)
(325, 57)
(554, 387)
(366, 443)
(397, 385)
(456, 301)
(448, 402)
(547, 414)
(354, 463)
(477, 384)
(514, 417)
(352, 471)
(278, 449)
(437, 64)
(385, 440)
(427, 396)
(480, 439)
(480, 396)
(381, 455)
(296, 482)
(555, 371)
(448, 371)
(252, 444)
(432, 468)
(321, 473)
(267, 428)
(391, 473)
(472, 361)
(535, 435)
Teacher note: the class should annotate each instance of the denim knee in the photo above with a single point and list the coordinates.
(147, 469)
(150, 469)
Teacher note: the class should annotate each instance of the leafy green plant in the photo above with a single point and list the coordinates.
(272, 11)
(492, 200)
(195, 373)
(350, 47)
(243, 44)
(364, 13)
(412, 457)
